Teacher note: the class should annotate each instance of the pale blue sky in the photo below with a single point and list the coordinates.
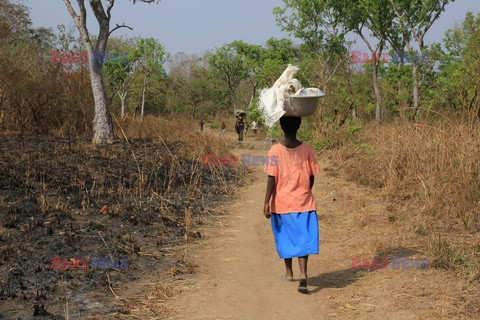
(194, 26)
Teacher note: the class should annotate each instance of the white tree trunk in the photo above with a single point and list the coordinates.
(102, 122)
(378, 96)
(234, 100)
(145, 84)
(376, 86)
(123, 100)
(416, 96)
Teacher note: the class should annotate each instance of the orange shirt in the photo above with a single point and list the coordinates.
(292, 172)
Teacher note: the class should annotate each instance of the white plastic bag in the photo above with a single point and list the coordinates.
(272, 99)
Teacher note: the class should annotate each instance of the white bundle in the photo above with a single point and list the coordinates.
(272, 99)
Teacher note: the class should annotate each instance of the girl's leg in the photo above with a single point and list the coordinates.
(288, 269)
(302, 263)
(302, 282)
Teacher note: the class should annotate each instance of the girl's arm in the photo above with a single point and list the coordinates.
(268, 195)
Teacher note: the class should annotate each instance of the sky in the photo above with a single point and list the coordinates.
(196, 26)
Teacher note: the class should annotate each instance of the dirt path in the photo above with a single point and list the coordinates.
(238, 268)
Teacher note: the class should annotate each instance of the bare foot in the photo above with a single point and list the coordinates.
(289, 276)
(302, 285)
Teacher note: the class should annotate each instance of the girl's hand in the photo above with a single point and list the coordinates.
(266, 210)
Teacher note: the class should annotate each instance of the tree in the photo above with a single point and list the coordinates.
(253, 57)
(415, 18)
(120, 72)
(231, 68)
(376, 17)
(151, 56)
(28, 81)
(102, 122)
(266, 63)
(276, 55)
(458, 85)
(323, 24)
(319, 25)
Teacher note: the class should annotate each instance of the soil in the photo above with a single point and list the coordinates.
(52, 191)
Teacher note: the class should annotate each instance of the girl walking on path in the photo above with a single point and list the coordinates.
(289, 201)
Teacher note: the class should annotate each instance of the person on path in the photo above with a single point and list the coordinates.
(201, 124)
(289, 201)
(254, 127)
(239, 127)
(223, 127)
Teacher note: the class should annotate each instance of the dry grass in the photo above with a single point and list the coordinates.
(430, 174)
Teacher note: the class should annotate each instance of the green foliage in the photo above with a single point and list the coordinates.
(253, 113)
(333, 135)
(458, 81)
(305, 133)
(151, 56)
(315, 23)
(275, 131)
(230, 67)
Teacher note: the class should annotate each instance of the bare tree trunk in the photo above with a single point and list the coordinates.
(123, 99)
(254, 92)
(194, 110)
(399, 88)
(378, 95)
(416, 96)
(102, 121)
(376, 86)
(145, 84)
(234, 100)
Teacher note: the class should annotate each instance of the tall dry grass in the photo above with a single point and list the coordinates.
(430, 173)
(176, 130)
(184, 146)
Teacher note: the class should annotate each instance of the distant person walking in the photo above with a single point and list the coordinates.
(254, 127)
(239, 128)
(224, 128)
(201, 124)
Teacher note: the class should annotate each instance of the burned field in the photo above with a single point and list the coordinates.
(61, 199)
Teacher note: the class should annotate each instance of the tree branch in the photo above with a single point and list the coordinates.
(427, 27)
(83, 12)
(109, 9)
(71, 10)
(80, 21)
(118, 27)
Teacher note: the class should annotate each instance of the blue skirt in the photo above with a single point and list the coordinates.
(296, 234)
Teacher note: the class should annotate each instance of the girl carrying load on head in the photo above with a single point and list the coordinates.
(289, 201)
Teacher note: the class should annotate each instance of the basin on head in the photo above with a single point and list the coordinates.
(303, 103)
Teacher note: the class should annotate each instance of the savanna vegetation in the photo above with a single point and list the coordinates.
(410, 130)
